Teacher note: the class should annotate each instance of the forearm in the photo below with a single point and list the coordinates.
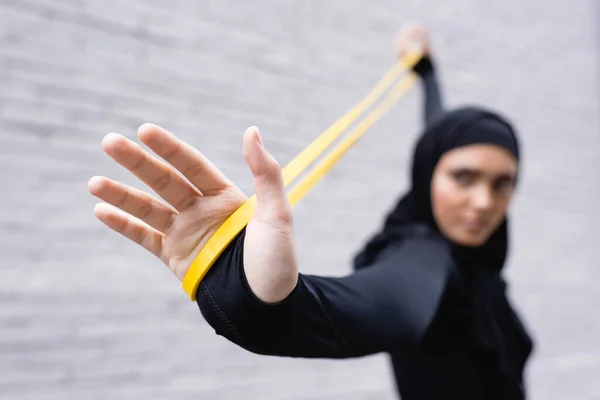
(433, 104)
(295, 327)
(385, 307)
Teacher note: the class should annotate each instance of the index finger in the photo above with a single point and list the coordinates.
(188, 160)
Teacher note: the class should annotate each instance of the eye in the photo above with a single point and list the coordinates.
(463, 177)
(504, 185)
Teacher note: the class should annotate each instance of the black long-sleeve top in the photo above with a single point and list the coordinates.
(409, 304)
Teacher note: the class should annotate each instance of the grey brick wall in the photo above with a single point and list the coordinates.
(85, 314)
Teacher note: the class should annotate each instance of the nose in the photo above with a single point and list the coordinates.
(482, 198)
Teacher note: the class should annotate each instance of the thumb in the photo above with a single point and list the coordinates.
(272, 202)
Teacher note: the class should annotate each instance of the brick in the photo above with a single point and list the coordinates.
(85, 314)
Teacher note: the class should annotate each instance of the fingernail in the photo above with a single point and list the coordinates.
(258, 137)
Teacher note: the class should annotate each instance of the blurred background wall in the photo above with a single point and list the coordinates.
(85, 314)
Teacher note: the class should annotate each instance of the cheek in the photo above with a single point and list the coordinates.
(446, 200)
(501, 208)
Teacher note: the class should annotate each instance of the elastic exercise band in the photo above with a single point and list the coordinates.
(240, 218)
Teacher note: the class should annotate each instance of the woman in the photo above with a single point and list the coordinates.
(427, 288)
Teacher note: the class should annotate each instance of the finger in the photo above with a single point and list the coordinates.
(187, 159)
(133, 201)
(155, 173)
(130, 227)
(272, 202)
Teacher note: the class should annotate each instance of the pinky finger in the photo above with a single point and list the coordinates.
(130, 227)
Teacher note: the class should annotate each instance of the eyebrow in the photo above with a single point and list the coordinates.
(499, 175)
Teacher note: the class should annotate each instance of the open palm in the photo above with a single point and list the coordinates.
(198, 201)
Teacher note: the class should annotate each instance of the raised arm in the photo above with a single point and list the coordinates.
(385, 307)
(405, 40)
(254, 294)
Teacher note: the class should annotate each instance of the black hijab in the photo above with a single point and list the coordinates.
(496, 330)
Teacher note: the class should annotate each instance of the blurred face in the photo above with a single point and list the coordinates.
(470, 192)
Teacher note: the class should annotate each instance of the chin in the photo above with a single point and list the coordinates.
(470, 239)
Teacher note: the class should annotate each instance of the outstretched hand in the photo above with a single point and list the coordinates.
(193, 209)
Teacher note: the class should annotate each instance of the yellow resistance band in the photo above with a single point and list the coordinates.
(240, 218)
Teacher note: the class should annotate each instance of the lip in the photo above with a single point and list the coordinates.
(475, 225)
